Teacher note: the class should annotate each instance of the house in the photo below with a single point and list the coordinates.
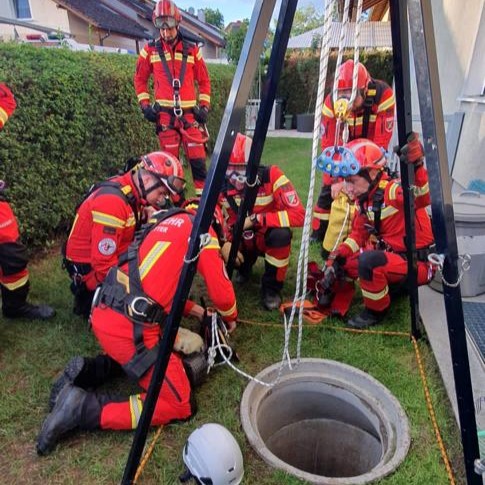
(112, 24)
(373, 35)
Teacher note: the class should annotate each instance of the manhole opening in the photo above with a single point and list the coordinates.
(321, 429)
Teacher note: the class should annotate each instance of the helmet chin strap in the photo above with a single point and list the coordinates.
(144, 192)
(372, 184)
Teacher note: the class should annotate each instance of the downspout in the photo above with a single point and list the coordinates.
(101, 39)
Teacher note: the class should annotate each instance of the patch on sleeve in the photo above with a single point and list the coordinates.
(389, 124)
(107, 246)
(109, 230)
(291, 198)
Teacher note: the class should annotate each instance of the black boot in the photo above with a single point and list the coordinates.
(271, 298)
(318, 235)
(15, 305)
(367, 318)
(75, 408)
(85, 372)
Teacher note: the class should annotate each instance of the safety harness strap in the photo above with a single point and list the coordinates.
(124, 294)
(373, 96)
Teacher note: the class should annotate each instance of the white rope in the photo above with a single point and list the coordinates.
(439, 260)
(356, 52)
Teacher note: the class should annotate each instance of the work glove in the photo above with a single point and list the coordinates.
(201, 113)
(225, 251)
(188, 342)
(335, 260)
(151, 112)
(412, 152)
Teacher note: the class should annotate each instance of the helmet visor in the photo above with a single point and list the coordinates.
(165, 22)
(176, 185)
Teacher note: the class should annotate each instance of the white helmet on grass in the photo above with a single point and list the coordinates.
(213, 457)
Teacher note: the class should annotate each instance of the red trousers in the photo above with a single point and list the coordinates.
(375, 278)
(115, 335)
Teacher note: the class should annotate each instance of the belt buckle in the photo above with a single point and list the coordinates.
(133, 306)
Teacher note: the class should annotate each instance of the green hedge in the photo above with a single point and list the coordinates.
(298, 84)
(76, 123)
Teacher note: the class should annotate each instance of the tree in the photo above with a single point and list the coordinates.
(214, 17)
(235, 41)
(306, 18)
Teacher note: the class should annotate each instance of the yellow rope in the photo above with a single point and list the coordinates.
(432, 415)
(147, 455)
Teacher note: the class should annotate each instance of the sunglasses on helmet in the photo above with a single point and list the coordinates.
(237, 179)
(165, 22)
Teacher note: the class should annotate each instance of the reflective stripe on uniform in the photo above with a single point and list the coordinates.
(283, 218)
(107, 220)
(227, 312)
(136, 407)
(375, 296)
(279, 263)
(152, 257)
(14, 285)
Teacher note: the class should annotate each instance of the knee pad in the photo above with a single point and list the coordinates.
(278, 237)
(369, 260)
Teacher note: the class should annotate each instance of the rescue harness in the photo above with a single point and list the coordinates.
(177, 120)
(124, 294)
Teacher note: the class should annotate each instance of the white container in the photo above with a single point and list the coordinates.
(473, 282)
(469, 210)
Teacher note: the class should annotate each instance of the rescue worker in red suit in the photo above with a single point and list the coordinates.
(380, 216)
(267, 230)
(107, 219)
(371, 116)
(135, 297)
(14, 275)
(176, 65)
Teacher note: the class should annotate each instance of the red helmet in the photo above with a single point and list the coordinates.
(367, 154)
(167, 169)
(166, 12)
(346, 74)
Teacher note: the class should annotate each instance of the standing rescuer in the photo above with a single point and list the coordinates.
(371, 116)
(106, 220)
(14, 275)
(176, 65)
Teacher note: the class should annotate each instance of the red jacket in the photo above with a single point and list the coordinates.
(392, 226)
(7, 104)
(277, 203)
(103, 229)
(149, 62)
(381, 121)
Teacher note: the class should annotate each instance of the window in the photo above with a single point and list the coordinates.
(22, 9)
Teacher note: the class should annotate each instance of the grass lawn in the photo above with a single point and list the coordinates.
(32, 353)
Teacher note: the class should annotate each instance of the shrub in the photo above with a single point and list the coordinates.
(76, 123)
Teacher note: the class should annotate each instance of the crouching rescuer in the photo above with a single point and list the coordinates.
(375, 251)
(129, 311)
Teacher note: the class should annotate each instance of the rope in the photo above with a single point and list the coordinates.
(432, 415)
(147, 455)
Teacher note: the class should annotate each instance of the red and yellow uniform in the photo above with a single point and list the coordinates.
(161, 256)
(277, 209)
(380, 127)
(103, 229)
(13, 255)
(376, 269)
(189, 69)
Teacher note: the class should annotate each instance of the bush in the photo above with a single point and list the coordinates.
(299, 80)
(77, 121)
